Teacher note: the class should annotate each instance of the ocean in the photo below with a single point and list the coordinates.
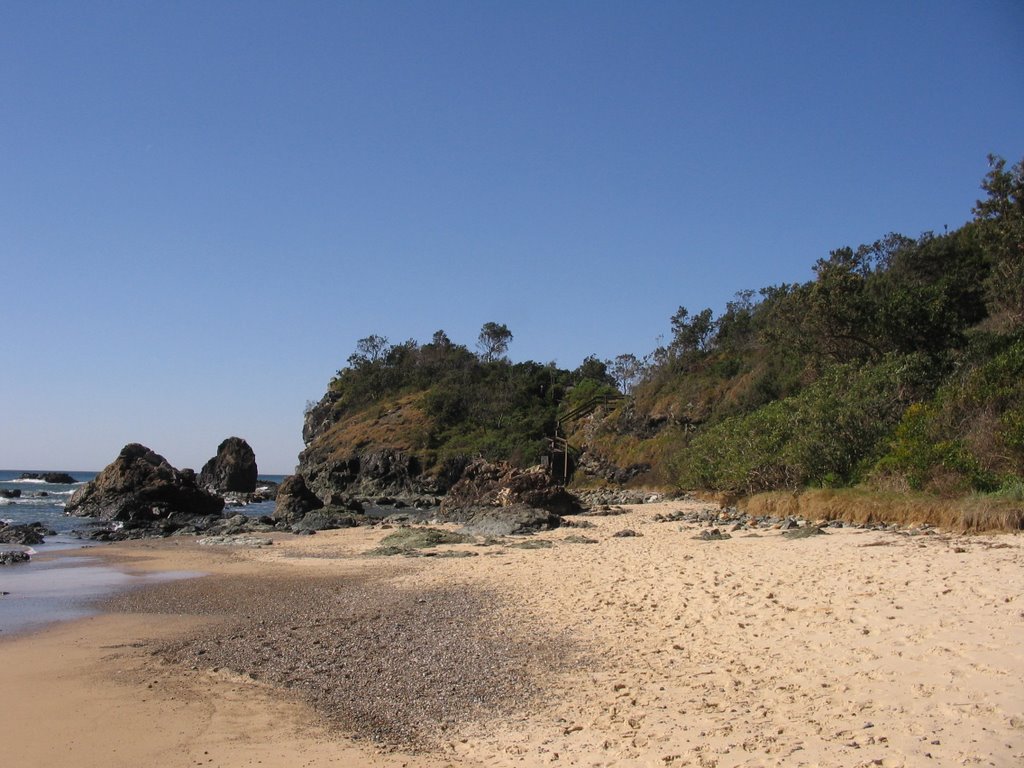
(50, 587)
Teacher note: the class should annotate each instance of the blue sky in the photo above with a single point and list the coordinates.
(204, 205)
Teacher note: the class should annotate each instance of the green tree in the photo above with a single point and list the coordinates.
(1001, 218)
(369, 350)
(626, 370)
(691, 333)
(493, 341)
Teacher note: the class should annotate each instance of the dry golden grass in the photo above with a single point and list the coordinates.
(967, 514)
(397, 424)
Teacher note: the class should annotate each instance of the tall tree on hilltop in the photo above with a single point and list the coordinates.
(493, 341)
(370, 350)
(1001, 217)
(626, 370)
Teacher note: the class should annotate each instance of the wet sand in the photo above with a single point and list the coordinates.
(855, 648)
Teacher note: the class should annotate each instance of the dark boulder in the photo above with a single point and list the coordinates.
(294, 500)
(232, 470)
(13, 557)
(486, 484)
(10, 494)
(141, 485)
(24, 534)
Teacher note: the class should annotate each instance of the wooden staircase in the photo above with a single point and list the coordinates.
(561, 456)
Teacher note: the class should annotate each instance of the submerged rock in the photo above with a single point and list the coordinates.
(54, 478)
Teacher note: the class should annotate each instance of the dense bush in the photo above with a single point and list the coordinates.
(970, 436)
(826, 435)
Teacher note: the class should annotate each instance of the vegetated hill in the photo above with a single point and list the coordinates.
(420, 412)
(899, 366)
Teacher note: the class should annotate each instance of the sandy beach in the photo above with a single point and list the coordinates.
(588, 648)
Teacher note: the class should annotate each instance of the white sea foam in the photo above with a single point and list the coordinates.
(26, 480)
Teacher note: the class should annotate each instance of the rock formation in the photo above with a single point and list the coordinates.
(141, 485)
(232, 470)
(494, 491)
(294, 500)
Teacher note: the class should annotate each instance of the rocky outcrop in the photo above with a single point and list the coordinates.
(232, 470)
(294, 500)
(487, 486)
(10, 494)
(28, 535)
(140, 485)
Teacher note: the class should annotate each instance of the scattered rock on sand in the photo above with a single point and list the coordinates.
(803, 532)
(235, 541)
(712, 534)
(407, 540)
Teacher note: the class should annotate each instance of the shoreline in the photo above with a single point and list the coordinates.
(841, 649)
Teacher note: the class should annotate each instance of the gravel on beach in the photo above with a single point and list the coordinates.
(402, 667)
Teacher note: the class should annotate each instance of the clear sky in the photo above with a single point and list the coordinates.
(204, 205)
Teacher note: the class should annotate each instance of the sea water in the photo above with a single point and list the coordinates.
(51, 587)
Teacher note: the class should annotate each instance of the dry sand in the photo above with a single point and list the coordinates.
(852, 649)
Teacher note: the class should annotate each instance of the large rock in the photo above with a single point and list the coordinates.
(500, 485)
(294, 500)
(141, 485)
(232, 470)
(513, 520)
